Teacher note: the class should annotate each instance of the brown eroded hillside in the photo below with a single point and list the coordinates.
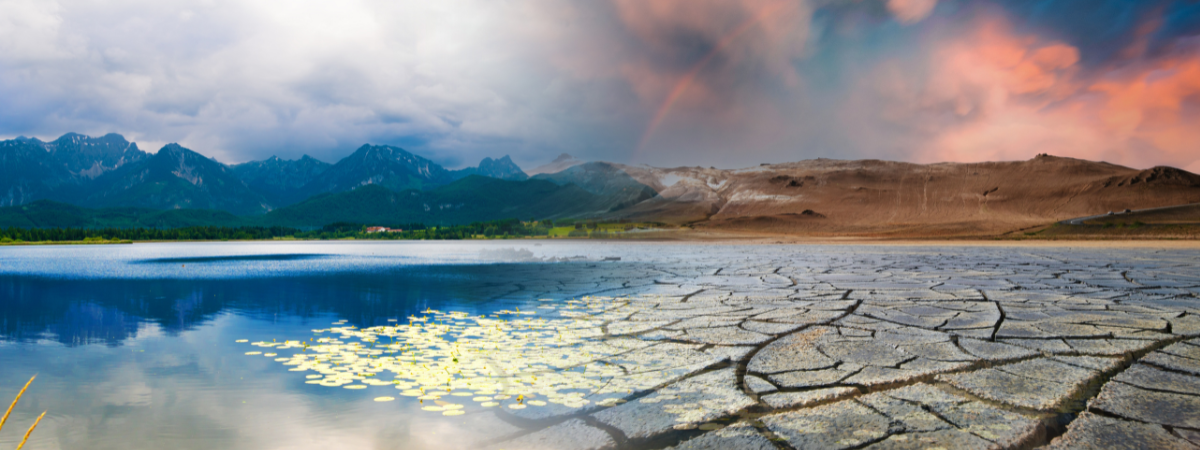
(886, 198)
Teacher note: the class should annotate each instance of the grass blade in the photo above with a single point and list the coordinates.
(27, 433)
(14, 403)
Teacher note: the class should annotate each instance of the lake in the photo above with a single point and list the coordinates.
(225, 345)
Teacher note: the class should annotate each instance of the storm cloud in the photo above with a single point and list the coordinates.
(728, 83)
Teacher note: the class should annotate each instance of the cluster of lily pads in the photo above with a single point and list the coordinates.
(508, 359)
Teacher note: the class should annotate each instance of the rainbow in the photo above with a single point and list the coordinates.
(682, 85)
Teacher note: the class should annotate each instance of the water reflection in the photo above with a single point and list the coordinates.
(135, 345)
(84, 311)
(234, 258)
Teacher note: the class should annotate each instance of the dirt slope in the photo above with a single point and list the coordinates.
(886, 198)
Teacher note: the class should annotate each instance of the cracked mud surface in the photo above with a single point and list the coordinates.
(899, 348)
(848, 348)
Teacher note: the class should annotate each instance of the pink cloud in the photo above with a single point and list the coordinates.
(911, 11)
(1017, 96)
(722, 81)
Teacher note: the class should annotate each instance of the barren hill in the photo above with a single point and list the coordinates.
(882, 198)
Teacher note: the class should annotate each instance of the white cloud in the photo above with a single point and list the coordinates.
(244, 79)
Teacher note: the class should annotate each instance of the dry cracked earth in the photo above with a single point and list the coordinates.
(848, 348)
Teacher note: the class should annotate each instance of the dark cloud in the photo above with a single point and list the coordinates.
(700, 82)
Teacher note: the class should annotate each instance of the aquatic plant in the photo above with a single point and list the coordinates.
(507, 359)
(14, 405)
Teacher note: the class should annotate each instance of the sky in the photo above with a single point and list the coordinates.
(724, 83)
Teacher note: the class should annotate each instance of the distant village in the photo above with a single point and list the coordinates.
(370, 230)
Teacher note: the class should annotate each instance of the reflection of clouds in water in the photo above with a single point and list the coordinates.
(176, 392)
(525, 255)
(124, 393)
(507, 254)
(247, 260)
(111, 311)
(233, 259)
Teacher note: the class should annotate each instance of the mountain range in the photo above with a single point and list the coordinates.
(109, 171)
(119, 185)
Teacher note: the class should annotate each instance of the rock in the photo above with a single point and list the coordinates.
(974, 333)
(838, 425)
(1151, 378)
(994, 351)
(619, 328)
(662, 356)
(705, 322)
(660, 335)
(1173, 362)
(943, 439)
(733, 352)
(1007, 429)
(913, 417)
(876, 376)
(865, 353)
(1092, 432)
(723, 335)
(1048, 346)
(941, 351)
(770, 327)
(1192, 436)
(810, 318)
(792, 352)
(1013, 389)
(809, 378)
(1050, 370)
(737, 436)
(926, 394)
(806, 398)
(909, 336)
(1188, 325)
(1130, 402)
(758, 385)
(1183, 350)
(980, 319)
(780, 313)
(1100, 363)
(691, 401)
(1109, 347)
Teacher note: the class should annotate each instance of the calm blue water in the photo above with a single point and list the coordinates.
(134, 345)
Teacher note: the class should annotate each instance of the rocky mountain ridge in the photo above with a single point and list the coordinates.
(111, 171)
(503, 168)
(174, 178)
(822, 197)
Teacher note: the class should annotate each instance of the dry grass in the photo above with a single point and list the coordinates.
(14, 405)
(27, 433)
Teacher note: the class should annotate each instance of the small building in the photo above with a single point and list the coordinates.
(383, 230)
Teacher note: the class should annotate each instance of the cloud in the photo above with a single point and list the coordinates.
(1011, 96)
(700, 82)
(242, 80)
(911, 11)
(699, 58)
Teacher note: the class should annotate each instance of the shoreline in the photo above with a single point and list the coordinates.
(733, 240)
(18, 244)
